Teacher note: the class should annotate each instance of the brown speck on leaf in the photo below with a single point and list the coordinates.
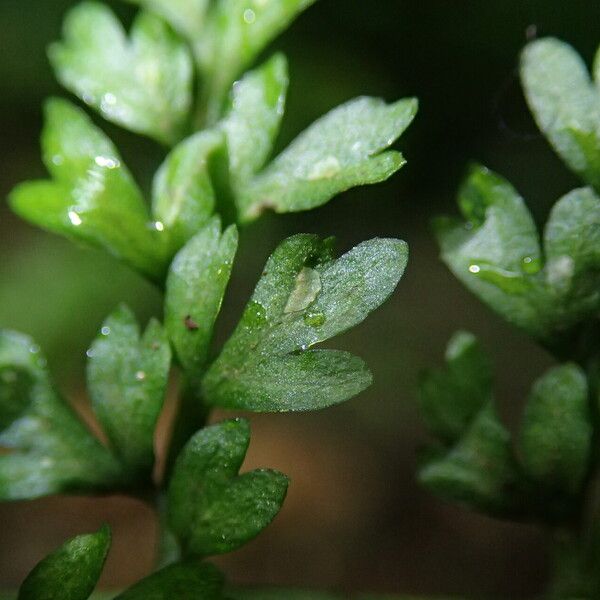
(190, 324)
(155, 345)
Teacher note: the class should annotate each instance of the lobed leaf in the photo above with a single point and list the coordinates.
(253, 120)
(127, 379)
(235, 32)
(195, 288)
(450, 398)
(185, 16)
(92, 197)
(303, 298)
(183, 195)
(572, 236)
(556, 433)
(479, 471)
(341, 150)
(71, 572)
(565, 103)
(212, 509)
(184, 581)
(49, 449)
(142, 83)
(497, 255)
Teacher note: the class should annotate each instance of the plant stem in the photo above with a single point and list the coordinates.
(191, 416)
(168, 549)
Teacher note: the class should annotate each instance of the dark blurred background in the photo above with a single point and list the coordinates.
(355, 518)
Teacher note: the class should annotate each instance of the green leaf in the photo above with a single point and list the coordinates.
(71, 572)
(497, 255)
(343, 149)
(49, 449)
(556, 432)
(479, 471)
(572, 235)
(451, 397)
(183, 196)
(127, 379)
(185, 16)
(304, 297)
(252, 123)
(565, 103)
(92, 197)
(142, 83)
(236, 31)
(184, 581)
(195, 287)
(212, 509)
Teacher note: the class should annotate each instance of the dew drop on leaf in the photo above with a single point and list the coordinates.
(530, 265)
(314, 319)
(256, 315)
(308, 286)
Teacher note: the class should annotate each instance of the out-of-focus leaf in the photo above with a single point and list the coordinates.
(479, 471)
(497, 255)
(186, 16)
(556, 433)
(212, 509)
(304, 297)
(71, 572)
(565, 103)
(183, 193)
(451, 397)
(343, 149)
(235, 33)
(92, 197)
(127, 380)
(184, 581)
(142, 83)
(572, 237)
(252, 123)
(196, 284)
(49, 449)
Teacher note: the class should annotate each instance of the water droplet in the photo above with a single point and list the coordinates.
(325, 169)
(74, 218)
(531, 265)
(58, 159)
(34, 349)
(249, 16)
(468, 225)
(107, 162)
(308, 286)
(474, 269)
(89, 353)
(140, 376)
(314, 319)
(159, 226)
(304, 347)
(256, 315)
(105, 330)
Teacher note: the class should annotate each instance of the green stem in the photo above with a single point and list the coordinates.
(168, 549)
(191, 416)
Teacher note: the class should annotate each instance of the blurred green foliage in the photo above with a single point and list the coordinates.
(460, 58)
